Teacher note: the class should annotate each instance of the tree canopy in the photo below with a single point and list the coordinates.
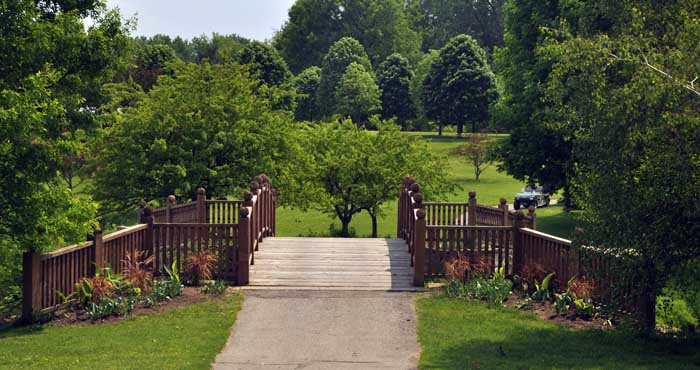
(461, 86)
(357, 95)
(340, 55)
(186, 134)
(306, 85)
(394, 78)
(314, 25)
(265, 63)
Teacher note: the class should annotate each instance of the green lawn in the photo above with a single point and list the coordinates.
(492, 186)
(458, 334)
(183, 338)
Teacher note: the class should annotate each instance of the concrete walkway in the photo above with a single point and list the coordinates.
(323, 329)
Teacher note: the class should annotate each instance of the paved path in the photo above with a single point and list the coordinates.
(323, 329)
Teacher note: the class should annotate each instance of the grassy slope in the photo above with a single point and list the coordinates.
(457, 334)
(184, 338)
(492, 186)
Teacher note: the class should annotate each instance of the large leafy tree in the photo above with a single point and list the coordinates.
(348, 170)
(314, 25)
(151, 62)
(306, 85)
(461, 86)
(357, 95)
(340, 55)
(265, 63)
(440, 20)
(186, 133)
(628, 104)
(394, 79)
(417, 87)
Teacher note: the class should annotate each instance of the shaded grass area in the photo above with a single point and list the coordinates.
(554, 220)
(183, 338)
(493, 186)
(459, 334)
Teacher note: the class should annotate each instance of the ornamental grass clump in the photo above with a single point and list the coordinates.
(199, 267)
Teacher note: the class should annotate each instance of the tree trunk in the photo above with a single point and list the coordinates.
(460, 129)
(345, 231)
(647, 300)
(373, 215)
(439, 129)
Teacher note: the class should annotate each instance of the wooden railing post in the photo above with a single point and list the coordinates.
(244, 246)
(419, 248)
(31, 285)
(148, 247)
(503, 206)
(533, 218)
(471, 217)
(518, 250)
(273, 193)
(172, 201)
(139, 215)
(98, 253)
(201, 206)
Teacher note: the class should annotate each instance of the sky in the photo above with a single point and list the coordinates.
(254, 19)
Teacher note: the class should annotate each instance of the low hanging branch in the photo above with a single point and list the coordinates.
(690, 86)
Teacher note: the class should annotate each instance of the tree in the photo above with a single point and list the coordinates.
(476, 151)
(343, 53)
(394, 78)
(306, 85)
(440, 20)
(314, 25)
(460, 87)
(186, 134)
(151, 62)
(265, 63)
(417, 87)
(357, 95)
(347, 169)
(627, 102)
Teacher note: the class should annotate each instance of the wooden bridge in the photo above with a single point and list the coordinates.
(241, 235)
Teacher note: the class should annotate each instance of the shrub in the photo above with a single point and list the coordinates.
(532, 273)
(674, 312)
(214, 287)
(199, 267)
(137, 270)
(493, 290)
(457, 268)
(581, 287)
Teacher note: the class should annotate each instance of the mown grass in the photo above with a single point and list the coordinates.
(491, 187)
(458, 334)
(185, 338)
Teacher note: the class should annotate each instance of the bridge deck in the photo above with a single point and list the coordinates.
(332, 263)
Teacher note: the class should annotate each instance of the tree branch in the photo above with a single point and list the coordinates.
(690, 86)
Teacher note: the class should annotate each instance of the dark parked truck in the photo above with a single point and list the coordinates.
(529, 196)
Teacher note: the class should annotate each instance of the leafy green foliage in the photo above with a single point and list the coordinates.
(417, 89)
(394, 77)
(340, 56)
(542, 290)
(306, 85)
(217, 48)
(461, 86)
(345, 169)
(439, 20)
(478, 151)
(216, 287)
(151, 62)
(314, 25)
(265, 63)
(357, 95)
(495, 289)
(197, 128)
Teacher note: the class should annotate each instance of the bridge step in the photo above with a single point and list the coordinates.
(332, 263)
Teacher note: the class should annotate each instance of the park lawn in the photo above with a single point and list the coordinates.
(459, 334)
(491, 187)
(184, 338)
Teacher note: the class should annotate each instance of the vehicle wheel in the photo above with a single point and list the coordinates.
(516, 205)
(546, 202)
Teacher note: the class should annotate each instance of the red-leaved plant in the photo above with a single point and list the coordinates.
(199, 267)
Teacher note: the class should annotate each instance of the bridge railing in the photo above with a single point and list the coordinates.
(495, 237)
(231, 230)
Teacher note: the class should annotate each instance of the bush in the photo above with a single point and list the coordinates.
(493, 290)
(199, 267)
(675, 313)
(136, 270)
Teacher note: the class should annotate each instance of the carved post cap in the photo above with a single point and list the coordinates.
(418, 197)
(254, 186)
(420, 213)
(201, 191)
(247, 196)
(172, 199)
(519, 215)
(504, 201)
(142, 204)
(472, 194)
(148, 211)
(243, 212)
(407, 181)
(415, 187)
(531, 209)
(98, 231)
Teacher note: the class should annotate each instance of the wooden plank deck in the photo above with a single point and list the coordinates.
(332, 263)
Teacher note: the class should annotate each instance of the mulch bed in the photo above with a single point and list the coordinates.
(546, 311)
(190, 295)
